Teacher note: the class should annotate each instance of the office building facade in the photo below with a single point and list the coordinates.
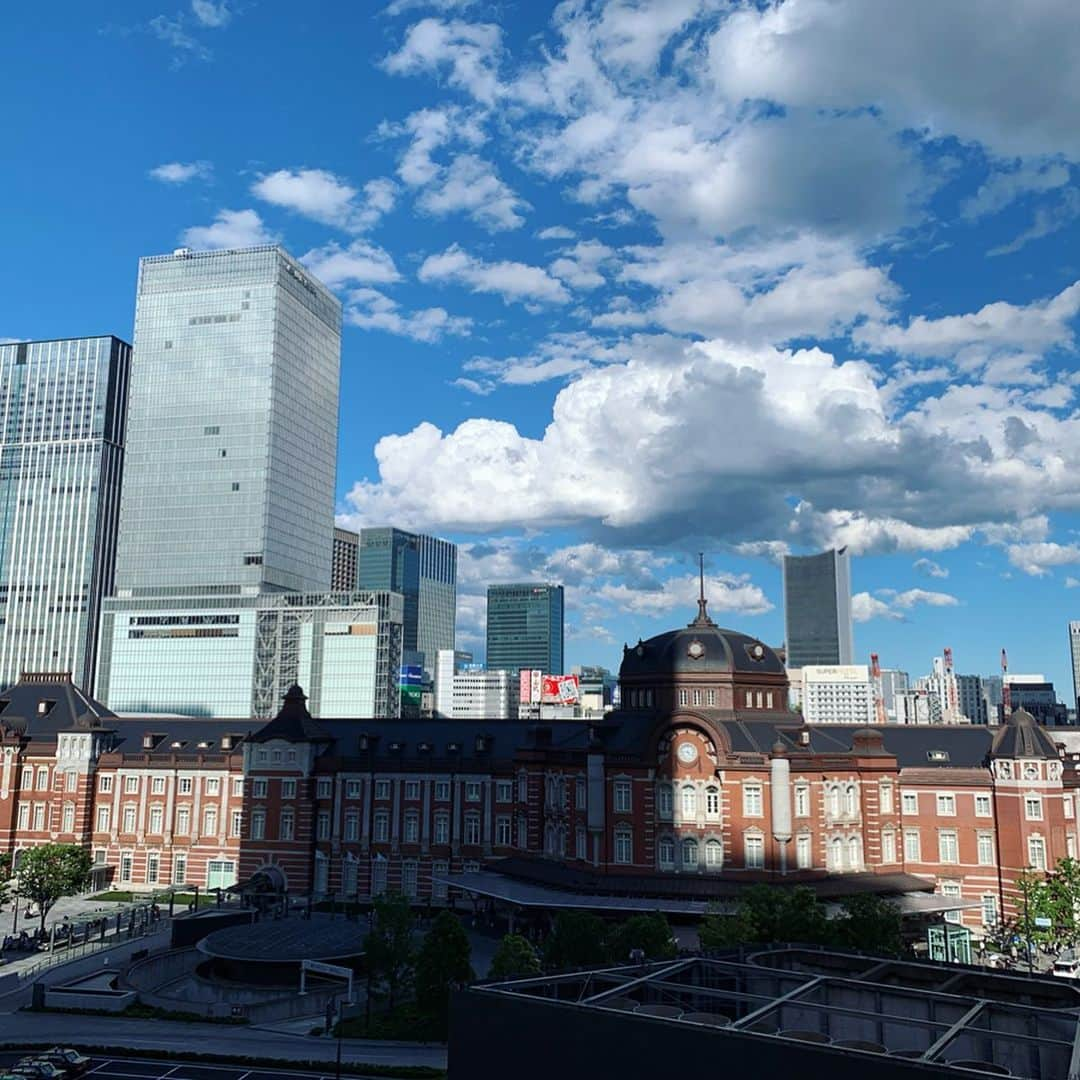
(343, 569)
(436, 626)
(235, 656)
(525, 627)
(424, 570)
(230, 471)
(817, 609)
(484, 695)
(837, 694)
(63, 410)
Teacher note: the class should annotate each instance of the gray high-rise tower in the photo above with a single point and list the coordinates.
(817, 609)
(424, 570)
(63, 407)
(525, 627)
(226, 523)
(1074, 655)
(229, 481)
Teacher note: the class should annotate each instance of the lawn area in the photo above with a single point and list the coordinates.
(182, 900)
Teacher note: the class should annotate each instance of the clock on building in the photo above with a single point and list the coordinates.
(687, 753)
(695, 650)
(1031, 771)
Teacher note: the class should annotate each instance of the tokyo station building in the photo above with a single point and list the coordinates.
(701, 783)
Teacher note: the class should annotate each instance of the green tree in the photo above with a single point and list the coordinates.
(719, 930)
(50, 872)
(785, 914)
(5, 879)
(576, 941)
(388, 948)
(441, 967)
(1060, 897)
(514, 956)
(870, 924)
(650, 933)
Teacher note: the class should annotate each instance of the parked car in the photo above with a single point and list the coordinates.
(1066, 967)
(35, 1069)
(69, 1061)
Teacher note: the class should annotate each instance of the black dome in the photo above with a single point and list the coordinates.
(700, 649)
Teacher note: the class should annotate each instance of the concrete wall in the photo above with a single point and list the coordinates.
(151, 977)
(106, 1000)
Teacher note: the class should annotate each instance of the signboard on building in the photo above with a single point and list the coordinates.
(530, 686)
(411, 684)
(560, 690)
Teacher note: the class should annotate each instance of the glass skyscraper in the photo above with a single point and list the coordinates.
(227, 515)
(424, 570)
(229, 481)
(817, 609)
(63, 407)
(525, 628)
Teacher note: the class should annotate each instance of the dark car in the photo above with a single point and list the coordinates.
(36, 1069)
(69, 1061)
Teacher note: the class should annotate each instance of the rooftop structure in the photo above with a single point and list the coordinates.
(773, 1011)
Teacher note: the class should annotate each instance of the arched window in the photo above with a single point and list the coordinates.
(851, 800)
(689, 854)
(854, 853)
(714, 854)
(666, 851)
(689, 801)
(712, 802)
(665, 800)
(834, 801)
(836, 854)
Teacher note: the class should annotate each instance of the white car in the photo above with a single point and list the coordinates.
(1066, 969)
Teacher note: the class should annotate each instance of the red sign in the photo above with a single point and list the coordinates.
(560, 690)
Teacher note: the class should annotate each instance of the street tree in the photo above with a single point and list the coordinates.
(442, 966)
(515, 956)
(723, 930)
(50, 872)
(576, 941)
(649, 933)
(388, 948)
(870, 924)
(6, 879)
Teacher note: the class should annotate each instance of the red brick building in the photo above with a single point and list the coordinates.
(702, 780)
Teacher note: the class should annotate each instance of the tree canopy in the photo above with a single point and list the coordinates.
(388, 948)
(443, 965)
(515, 956)
(49, 872)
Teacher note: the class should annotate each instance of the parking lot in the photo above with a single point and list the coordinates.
(145, 1069)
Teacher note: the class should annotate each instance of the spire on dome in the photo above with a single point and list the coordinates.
(702, 612)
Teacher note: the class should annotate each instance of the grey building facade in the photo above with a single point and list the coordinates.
(424, 570)
(525, 627)
(343, 569)
(227, 514)
(63, 411)
(233, 413)
(817, 609)
(1074, 656)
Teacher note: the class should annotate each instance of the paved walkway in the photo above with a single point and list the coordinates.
(220, 1040)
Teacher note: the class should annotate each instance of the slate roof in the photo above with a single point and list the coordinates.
(293, 722)
(41, 704)
(1022, 737)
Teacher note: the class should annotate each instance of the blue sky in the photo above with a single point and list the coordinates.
(623, 281)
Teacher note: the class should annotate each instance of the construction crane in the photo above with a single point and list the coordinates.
(1006, 689)
(950, 681)
(879, 695)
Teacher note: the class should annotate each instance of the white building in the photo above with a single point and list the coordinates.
(837, 694)
(448, 663)
(485, 695)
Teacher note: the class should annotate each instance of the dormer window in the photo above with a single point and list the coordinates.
(44, 707)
